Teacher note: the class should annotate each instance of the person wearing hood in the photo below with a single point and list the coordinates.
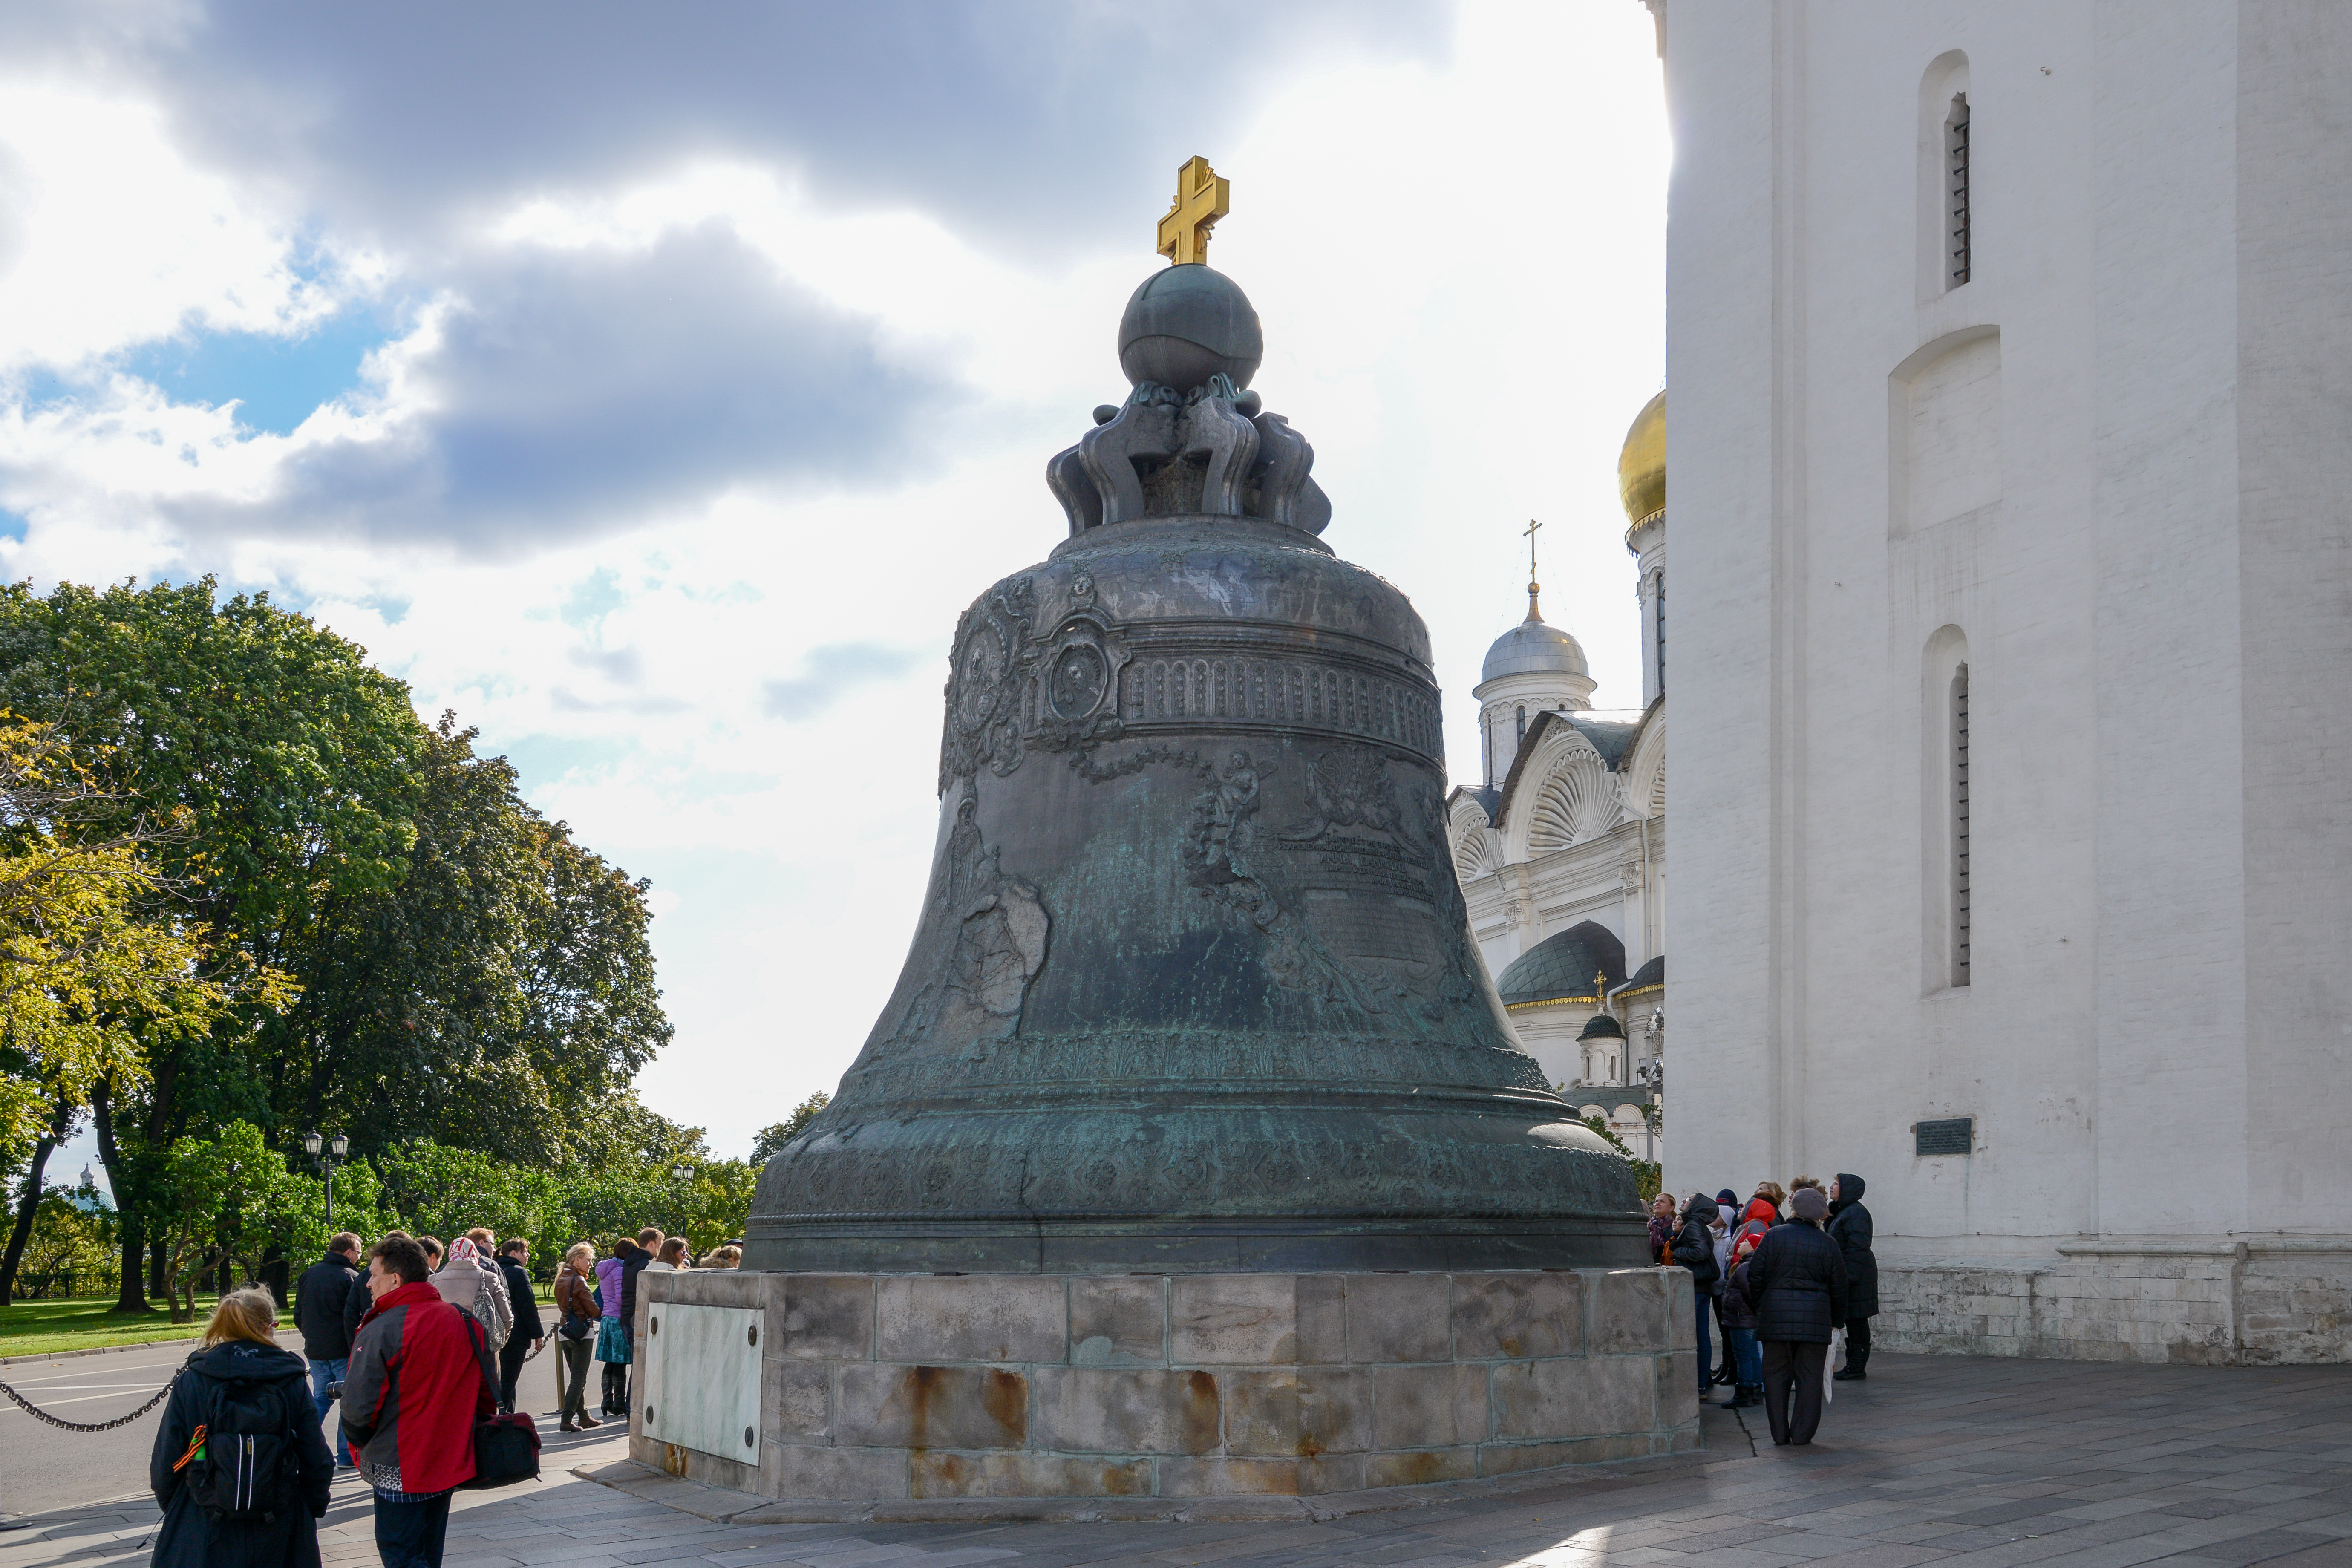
(1796, 1282)
(1850, 1228)
(240, 1401)
(470, 1283)
(1693, 1249)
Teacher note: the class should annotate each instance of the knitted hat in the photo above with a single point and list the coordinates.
(1727, 1201)
(1808, 1204)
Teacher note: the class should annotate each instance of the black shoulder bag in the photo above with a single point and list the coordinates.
(505, 1448)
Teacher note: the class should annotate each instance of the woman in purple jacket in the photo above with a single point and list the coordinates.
(612, 1339)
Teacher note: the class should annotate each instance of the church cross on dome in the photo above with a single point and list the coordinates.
(1203, 196)
(1533, 586)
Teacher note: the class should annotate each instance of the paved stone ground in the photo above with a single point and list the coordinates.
(1935, 1459)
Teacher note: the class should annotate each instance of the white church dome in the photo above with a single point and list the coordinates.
(1534, 647)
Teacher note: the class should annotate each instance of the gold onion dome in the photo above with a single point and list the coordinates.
(1641, 465)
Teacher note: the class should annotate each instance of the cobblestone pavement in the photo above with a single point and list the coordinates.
(1934, 1459)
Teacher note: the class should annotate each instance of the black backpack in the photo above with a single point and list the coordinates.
(240, 1467)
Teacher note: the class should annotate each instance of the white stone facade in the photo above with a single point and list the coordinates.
(1566, 834)
(2013, 651)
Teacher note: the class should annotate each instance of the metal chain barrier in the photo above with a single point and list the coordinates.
(61, 1424)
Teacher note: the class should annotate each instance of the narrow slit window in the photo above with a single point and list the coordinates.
(1661, 599)
(1956, 193)
(1520, 738)
(1960, 826)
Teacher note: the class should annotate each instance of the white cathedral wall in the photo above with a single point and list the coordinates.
(2147, 359)
(2294, 487)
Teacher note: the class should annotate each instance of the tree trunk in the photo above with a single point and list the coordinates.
(130, 1295)
(28, 1202)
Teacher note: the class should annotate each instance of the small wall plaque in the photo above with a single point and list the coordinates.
(1956, 1136)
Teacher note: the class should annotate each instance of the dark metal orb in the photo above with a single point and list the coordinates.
(1185, 325)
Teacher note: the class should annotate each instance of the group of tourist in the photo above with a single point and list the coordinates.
(1785, 1277)
(417, 1345)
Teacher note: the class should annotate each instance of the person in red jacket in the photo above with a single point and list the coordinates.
(411, 1396)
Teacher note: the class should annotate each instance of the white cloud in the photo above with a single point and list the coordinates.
(109, 237)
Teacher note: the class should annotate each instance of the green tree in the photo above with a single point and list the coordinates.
(770, 1141)
(508, 979)
(292, 767)
(441, 1191)
(222, 1200)
(70, 1245)
(468, 972)
(97, 963)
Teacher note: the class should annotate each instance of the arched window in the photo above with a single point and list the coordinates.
(1947, 156)
(1956, 191)
(1523, 727)
(1948, 833)
(1960, 796)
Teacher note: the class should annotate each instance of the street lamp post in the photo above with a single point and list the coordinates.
(337, 1149)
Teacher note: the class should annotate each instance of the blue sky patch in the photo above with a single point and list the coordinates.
(277, 380)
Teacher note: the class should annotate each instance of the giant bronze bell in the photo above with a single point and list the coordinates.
(1192, 988)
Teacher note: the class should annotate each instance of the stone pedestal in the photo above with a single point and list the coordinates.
(1021, 1389)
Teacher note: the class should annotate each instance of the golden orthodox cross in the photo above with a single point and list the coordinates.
(1201, 198)
(1532, 587)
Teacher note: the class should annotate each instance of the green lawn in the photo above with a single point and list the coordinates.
(40, 1328)
(37, 1328)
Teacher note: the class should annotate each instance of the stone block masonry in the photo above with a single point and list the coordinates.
(2227, 1301)
(1006, 1387)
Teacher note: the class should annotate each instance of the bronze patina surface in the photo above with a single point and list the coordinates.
(1192, 987)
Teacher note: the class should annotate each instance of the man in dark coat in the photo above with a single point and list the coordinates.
(528, 1334)
(1850, 1228)
(322, 1298)
(1693, 1249)
(1796, 1282)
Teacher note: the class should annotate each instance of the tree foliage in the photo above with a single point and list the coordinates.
(70, 1245)
(351, 922)
(770, 1141)
(95, 960)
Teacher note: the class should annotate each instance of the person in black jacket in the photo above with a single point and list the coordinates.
(1850, 1228)
(632, 1263)
(1796, 1282)
(322, 1299)
(1693, 1249)
(240, 1377)
(527, 1335)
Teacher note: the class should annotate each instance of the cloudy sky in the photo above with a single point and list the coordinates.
(653, 386)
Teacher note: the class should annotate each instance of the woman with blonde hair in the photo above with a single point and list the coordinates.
(576, 1335)
(241, 1465)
